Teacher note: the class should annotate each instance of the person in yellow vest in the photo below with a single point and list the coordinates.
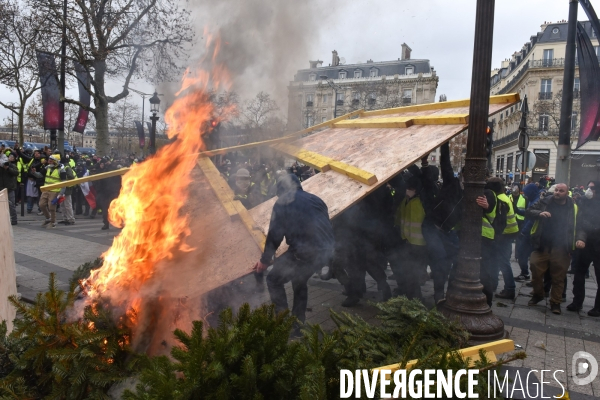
(504, 237)
(54, 173)
(488, 274)
(409, 259)
(553, 239)
(267, 184)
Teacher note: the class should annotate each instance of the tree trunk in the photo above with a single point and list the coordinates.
(101, 113)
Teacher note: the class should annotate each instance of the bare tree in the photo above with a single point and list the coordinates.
(18, 39)
(117, 40)
(256, 112)
(544, 118)
(122, 115)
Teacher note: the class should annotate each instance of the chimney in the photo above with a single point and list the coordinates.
(335, 60)
(405, 52)
(315, 64)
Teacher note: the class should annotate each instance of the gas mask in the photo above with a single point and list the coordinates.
(589, 193)
(242, 184)
(410, 193)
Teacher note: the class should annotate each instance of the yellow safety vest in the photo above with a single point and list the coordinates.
(487, 230)
(72, 163)
(521, 203)
(52, 177)
(266, 184)
(511, 220)
(409, 218)
(575, 209)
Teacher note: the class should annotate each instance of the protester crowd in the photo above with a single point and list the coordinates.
(25, 171)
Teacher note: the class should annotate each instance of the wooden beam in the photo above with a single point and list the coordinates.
(324, 163)
(287, 138)
(89, 178)
(405, 122)
(234, 208)
(492, 350)
(500, 99)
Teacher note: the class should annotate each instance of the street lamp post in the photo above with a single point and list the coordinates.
(465, 300)
(154, 107)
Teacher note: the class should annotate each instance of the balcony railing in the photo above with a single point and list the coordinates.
(309, 104)
(371, 101)
(340, 102)
(355, 102)
(545, 96)
(576, 94)
(406, 100)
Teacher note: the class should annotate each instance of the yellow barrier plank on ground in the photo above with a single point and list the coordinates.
(492, 350)
(405, 122)
(89, 178)
(324, 163)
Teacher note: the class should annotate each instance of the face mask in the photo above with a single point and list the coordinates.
(410, 193)
(589, 193)
(243, 185)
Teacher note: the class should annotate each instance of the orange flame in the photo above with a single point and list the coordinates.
(152, 196)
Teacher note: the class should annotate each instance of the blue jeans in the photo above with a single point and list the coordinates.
(523, 251)
(31, 201)
(503, 252)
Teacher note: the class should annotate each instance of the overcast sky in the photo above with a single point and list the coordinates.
(439, 30)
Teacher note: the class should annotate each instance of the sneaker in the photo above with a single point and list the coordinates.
(555, 308)
(40, 213)
(51, 226)
(534, 300)
(350, 301)
(439, 298)
(594, 312)
(564, 298)
(574, 307)
(46, 222)
(104, 227)
(506, 294)
(522, 278)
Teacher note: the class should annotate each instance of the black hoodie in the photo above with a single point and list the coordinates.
(303, 219)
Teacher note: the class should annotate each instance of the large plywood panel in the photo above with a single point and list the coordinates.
(8, 275)
(384, 152)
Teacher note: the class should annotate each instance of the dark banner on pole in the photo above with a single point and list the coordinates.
(53, 117)
(591, 14)
(589, 76)
(141, 135)
(83, 79)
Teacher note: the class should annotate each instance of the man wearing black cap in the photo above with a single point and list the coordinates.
(303, 219)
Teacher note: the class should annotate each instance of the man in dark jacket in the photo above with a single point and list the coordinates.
(303, 219)
(588, 246)
(442, 215)
(552, 239)
(8, 181)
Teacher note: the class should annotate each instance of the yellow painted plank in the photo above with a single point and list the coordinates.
(89, 178)
(500, 99)
(405, 121)
(492, 350)
(219, 186)
(327, 124)
(324, 163)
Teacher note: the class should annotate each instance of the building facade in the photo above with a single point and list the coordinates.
(537, 71)
(320, 93)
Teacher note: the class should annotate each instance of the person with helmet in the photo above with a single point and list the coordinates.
(245, 189)
(54, 172)
(303, 219)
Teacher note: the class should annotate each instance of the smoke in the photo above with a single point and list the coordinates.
(263, 43)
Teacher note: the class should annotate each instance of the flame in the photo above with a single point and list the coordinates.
(153, 193)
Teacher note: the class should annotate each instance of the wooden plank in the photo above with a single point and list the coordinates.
(8, 272)
(500, 99)
(492, 350)
(219, 186)
(325, 163)
(89, 178)
(405, 122)
(327, 124)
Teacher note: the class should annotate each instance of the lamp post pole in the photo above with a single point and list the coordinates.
(154, 106)
(465, 300)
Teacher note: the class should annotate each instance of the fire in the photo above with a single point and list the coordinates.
(153, 193)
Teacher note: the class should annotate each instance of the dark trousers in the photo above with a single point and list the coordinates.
(408, 262)
(81, 203)
(488, 272)
(288, 268)
(523, 251)
(503, 252)
(586, 257)
(351, 263)
(442, 249)
(102, 203)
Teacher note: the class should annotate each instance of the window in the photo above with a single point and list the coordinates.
(407, 96)
(546, 89)
(548, 57)
(357, 74)
(409, 70)
(309, 121)
(372, 98)
(340, 96)
(355, 96)
(324, 99)
(373, 73)
(342, 75)
(309, 97)
(555, 31)
(312, 77)
(576, 84)
(573, 121)
(544, 121)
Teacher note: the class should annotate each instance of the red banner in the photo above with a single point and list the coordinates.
(83, 79)
(53, 113)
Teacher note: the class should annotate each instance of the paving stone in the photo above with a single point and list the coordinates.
(529, 314)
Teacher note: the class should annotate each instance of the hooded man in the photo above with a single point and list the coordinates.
(303, 219)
